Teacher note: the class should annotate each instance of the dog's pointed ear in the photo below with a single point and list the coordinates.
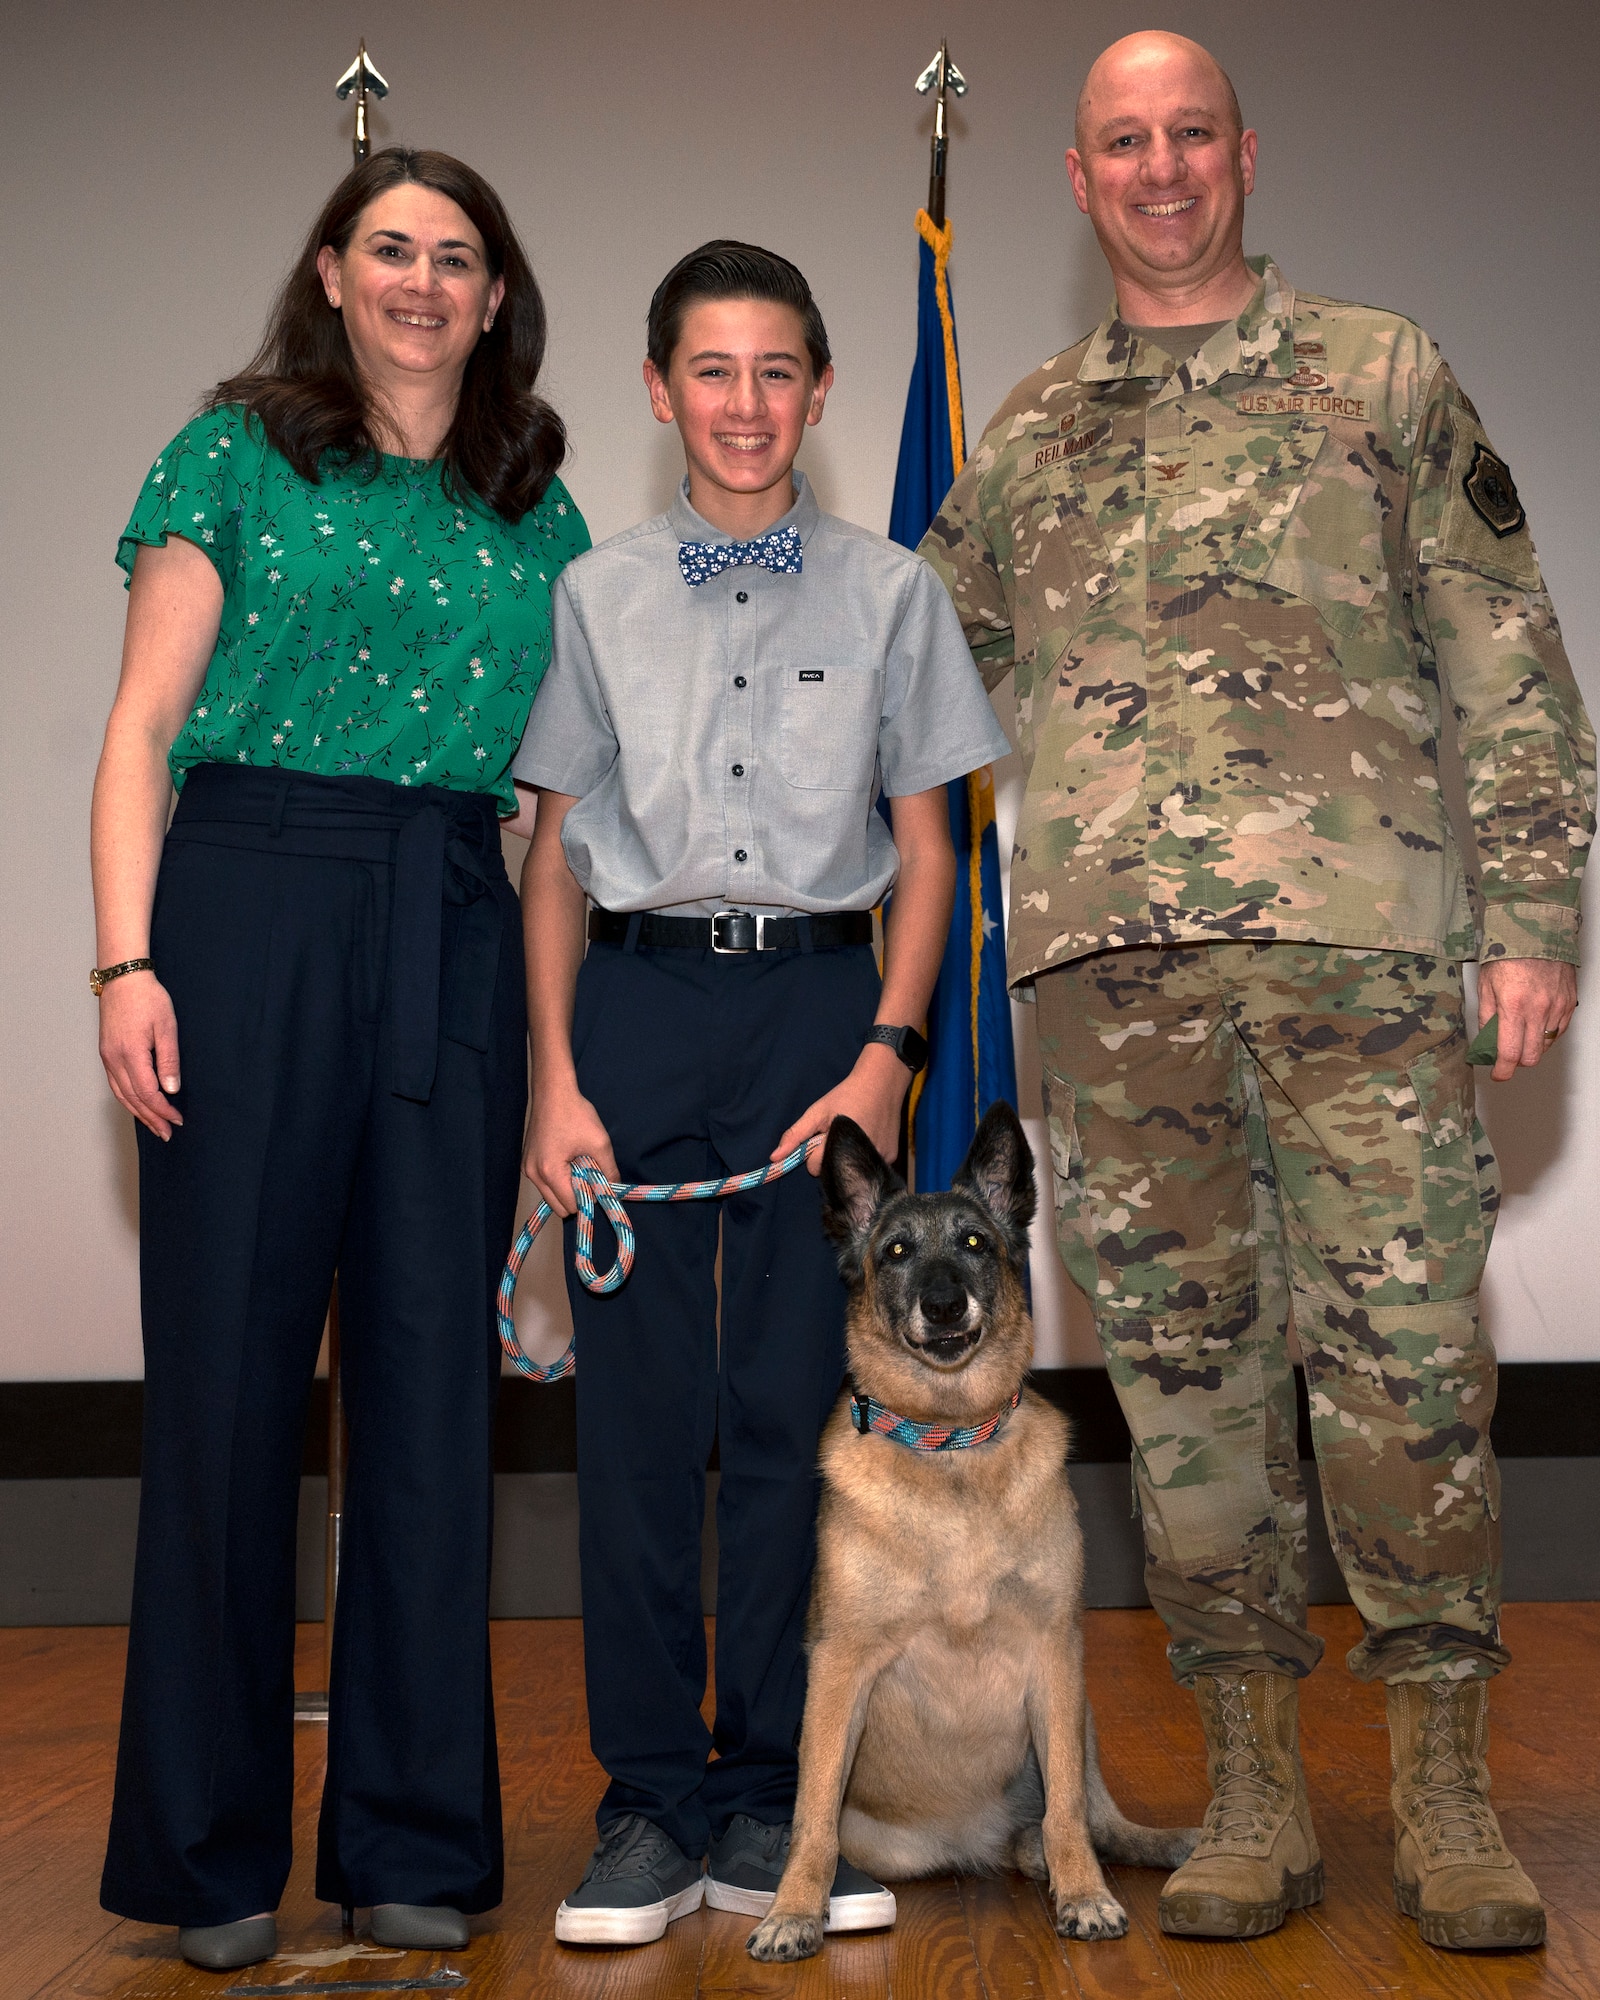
(998, 1169)
(856, 1181)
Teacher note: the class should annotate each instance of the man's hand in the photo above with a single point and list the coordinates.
(871, 1094)
(139, 1047)
(1533, 999)
(563, 1124)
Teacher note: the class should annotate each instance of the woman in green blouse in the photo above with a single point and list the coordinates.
(311, 985)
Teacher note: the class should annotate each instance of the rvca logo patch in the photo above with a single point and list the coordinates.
(1488, 485)
(811, 673)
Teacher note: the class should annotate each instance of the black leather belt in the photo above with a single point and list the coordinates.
(734, 931)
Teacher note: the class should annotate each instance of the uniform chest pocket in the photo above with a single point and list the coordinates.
(1316, 529)
(828, 722)
(1059, 561)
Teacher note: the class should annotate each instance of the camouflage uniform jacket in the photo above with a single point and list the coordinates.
(1236, 596)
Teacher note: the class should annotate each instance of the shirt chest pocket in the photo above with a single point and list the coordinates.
(828, 720)
(1060, 564)
(1315, 530)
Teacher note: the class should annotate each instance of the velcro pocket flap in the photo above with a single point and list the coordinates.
(1443, 1084)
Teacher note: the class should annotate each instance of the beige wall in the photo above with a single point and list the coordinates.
(161, 162)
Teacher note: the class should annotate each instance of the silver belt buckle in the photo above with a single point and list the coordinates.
(736, 919)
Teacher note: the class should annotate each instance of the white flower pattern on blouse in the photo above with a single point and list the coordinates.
(328, 658)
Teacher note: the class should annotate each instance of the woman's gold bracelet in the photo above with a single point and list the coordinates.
(101, 976)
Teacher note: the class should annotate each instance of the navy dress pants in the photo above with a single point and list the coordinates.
(696, 1063)
(345, 960)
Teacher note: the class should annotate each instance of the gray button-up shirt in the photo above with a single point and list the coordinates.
(725, 742)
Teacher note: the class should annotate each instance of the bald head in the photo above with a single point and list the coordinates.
(1162, 167)
(1149, 57)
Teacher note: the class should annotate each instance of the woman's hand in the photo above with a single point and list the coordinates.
(139, 1047)
(174, 609)
(563, 1124)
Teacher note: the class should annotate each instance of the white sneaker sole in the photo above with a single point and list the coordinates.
(845, 1913)
(639, 1926)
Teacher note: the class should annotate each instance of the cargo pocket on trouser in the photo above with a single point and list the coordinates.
(1221, 1554)
(1460, 1182)
(1401, 1398)
(1074, 1234)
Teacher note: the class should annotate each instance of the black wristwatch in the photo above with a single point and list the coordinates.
(907, 1044)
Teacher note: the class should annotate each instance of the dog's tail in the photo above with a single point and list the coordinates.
(1116, 1838)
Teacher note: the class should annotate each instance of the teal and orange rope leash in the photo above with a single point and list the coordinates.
(593, 1190)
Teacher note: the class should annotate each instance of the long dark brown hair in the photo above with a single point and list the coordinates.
(505, 444)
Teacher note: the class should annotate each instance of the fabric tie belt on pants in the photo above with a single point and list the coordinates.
(440, 845)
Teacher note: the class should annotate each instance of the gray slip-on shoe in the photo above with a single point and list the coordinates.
(636, 1882)
(745, 1866)
(226, 1947)
(419, 1927)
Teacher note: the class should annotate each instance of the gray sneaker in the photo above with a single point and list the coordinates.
(636, 1882)
(747, 1863)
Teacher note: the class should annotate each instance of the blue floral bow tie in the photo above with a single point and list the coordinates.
(780, 551)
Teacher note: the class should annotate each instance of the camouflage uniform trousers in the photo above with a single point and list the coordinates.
(1242, 1131)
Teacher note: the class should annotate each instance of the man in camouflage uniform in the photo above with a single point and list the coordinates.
(1242, 547)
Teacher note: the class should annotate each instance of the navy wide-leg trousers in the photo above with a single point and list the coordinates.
(696, 1063)
(345, 960)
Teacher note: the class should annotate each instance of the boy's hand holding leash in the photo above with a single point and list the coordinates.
(561, 1125)
(913, 945)
(871, 1094)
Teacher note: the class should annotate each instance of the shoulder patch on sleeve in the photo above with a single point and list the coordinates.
(1487, 483)
(1484, 525)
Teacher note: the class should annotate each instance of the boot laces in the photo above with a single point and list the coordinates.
(1247, 1799)
(1452, 1815)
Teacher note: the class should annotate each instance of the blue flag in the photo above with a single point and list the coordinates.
(971, 1061)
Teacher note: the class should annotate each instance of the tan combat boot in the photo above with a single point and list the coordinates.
(1452, 1870)
(1257, 1858)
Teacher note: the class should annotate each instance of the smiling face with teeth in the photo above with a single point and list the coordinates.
(1162, 168)
(415, 289)
(739, 385)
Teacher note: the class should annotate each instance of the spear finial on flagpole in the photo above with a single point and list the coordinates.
(940, 76)
(361, 77)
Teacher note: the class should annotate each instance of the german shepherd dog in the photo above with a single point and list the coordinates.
(945, 1722)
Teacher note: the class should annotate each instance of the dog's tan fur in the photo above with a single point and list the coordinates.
(945, 1646)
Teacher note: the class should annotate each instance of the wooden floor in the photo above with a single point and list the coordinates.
(956, 1940)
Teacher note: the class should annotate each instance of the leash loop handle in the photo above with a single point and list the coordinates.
(592, 1190)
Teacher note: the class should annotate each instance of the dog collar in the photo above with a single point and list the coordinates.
(871, 1416)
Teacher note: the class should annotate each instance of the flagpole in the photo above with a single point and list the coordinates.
(971, 1059)
(361, 79)
(941, 76)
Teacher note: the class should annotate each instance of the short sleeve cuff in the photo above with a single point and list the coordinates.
(902, 783)
(1530, 930)
(535, 766)
(191, 492)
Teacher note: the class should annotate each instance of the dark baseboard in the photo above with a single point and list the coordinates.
(69, 1495)
(90, 1430)
(66, 1556)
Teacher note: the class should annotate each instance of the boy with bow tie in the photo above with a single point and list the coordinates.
(732, 684)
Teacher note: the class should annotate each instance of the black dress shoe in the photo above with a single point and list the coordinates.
(225, 1947)
(419, 1927)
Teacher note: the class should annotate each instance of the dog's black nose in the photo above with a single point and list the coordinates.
(943, 1304)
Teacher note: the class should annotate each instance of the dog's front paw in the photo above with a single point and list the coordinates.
(778, 1940)
(1091, 1917)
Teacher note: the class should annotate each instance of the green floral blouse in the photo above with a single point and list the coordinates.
(369, 625)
